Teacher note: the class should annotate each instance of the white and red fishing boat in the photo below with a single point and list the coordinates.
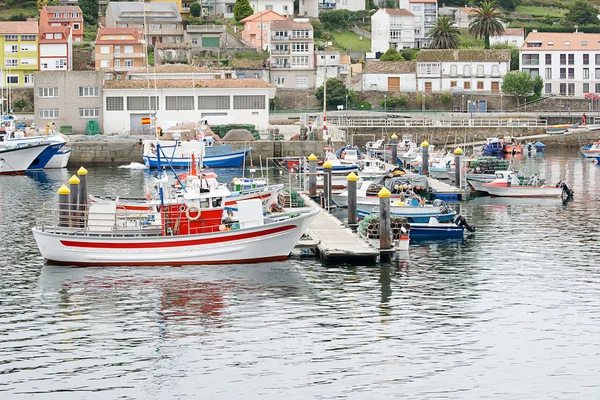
(507, 184)
(190, 228)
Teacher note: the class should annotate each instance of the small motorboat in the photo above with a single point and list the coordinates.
(507, 184)
(591, 150)
(558, 129)
(512, 147)
(492, 146)
(435, 230)
(415, 212)
(17, 160)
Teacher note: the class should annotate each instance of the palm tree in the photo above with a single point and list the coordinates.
(445, 34)
(486, 21)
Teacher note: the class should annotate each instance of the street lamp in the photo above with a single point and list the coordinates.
(385, 102)
(307, 96)
(501, 109)
(346, 102)
(462, 103)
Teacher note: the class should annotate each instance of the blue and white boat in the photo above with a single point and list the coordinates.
(493, 146)
(54, 156)
(416, 213)
(435, 230)
(178, 154)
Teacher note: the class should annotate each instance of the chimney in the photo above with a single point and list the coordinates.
(576, 28)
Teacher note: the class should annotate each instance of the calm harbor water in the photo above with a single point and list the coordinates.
(513, 311)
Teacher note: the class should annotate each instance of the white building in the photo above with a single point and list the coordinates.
(511, 36)
(351, 5)
(56, 48)
(569, 63)
(220, 101)
(308, 8)
(389, 76)
(477, 71)
(225, 7)
(462, 17)
(292, 52)
(426, 13)
(391, 27)
(329, 60)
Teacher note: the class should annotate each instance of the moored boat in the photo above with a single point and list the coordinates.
(18, 159)
(561, 128)
(507, 184)
(591, 150)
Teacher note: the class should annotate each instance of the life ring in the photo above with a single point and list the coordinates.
(190, 210)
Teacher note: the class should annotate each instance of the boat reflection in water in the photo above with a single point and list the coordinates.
(176, 300)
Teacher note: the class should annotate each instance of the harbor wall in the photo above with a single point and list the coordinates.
(124, 152)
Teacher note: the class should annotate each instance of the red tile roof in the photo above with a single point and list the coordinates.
(256, 16)
(399, 11)
(54, 29)
(136, 32)
(187, 83)
(18, 28)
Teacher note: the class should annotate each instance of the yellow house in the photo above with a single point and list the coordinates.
(19, 42)
(182, 5)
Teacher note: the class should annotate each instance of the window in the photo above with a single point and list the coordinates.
(584, 43)
(280, 81)
(128, 63)
(467, 70)
(156, 27)
(548, 59)
(49, 36)
(597, 88)
(104, 63)
(12, 38)
(268, 7)
(300, 34)
(114, 103)
(531, 59)
(586, 88)
(550, 44)
(117, 50)
(140, 103)
(453, 70)
(128, 49)
(467, 85)
(213, 103)
(48, 113)
(571, 59)
(597, 59)
(428, 68)
(89, 112)
(48, 92)
(172, 27)
(58, 36)
(11, 48)
(597, 73)
(177, 103)
(104, 49)
(586, 73)
(249, 102)
(548, 73)
(480, 70)
(28, 79)
(11, 62)
(300, 60)
(76, 27)
(28, 47)
(117, 64)
(548, 88)
(195, 41)
(28, 38)
(300, 47)
(61, 63)
(563, 73)
(534, 44)
(586, 59)
(567, 43)
(479, 85)
(571, 87)
(88, 91)
(571, 73)
(563, 59)
(452, 83)
(563, 89)
(495, 70)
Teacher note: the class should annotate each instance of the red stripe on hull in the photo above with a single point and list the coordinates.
(181, 243)
(262, 197)
(171, 263)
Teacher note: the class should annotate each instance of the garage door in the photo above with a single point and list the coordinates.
(208, 41)
(136, 127)
(393, 84)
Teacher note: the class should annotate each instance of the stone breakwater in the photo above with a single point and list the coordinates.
(114, 150)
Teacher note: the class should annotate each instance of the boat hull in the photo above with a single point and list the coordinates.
(270, 242)
(60, 159)
(17, 160)
(230, 160)
(523, 191)
(45, 156)
(425, 231)
(413, 214)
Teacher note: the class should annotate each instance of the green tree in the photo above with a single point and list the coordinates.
(195, 9)
(538, 86)
(242, 9)
(518, 84)
(89, 9)
(509, 5)
(20, 104)
(445, 34)
(447, 99)
(409, 54)
(514, 54)
(17, 17)
(486, 21)
(336, 93)
(583, 13)
(391, 55)
(41, 4)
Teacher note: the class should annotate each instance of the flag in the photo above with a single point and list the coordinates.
(145, 121)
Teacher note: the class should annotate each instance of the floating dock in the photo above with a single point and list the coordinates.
(334, 242)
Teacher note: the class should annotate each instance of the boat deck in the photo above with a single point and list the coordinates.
(337, 243)
(443, 188)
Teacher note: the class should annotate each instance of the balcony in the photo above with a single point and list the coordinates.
(280, 38)
(280, 52)
(430, 10)
(129, 55)
(531, 62)
(280, 66)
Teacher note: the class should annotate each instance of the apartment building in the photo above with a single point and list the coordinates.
(392, 27)
(569, 63)
(426, 14)
(118, 50)
(163, 22)
(19, 39)
(479, 71)
(292, 54)
(70, 16)
(327, 66)
(55, 48)
(257, 28)
(462, 17)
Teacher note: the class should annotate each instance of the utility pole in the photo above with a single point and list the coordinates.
(325, 94)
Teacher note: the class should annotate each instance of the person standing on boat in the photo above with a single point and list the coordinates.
(583, 119)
